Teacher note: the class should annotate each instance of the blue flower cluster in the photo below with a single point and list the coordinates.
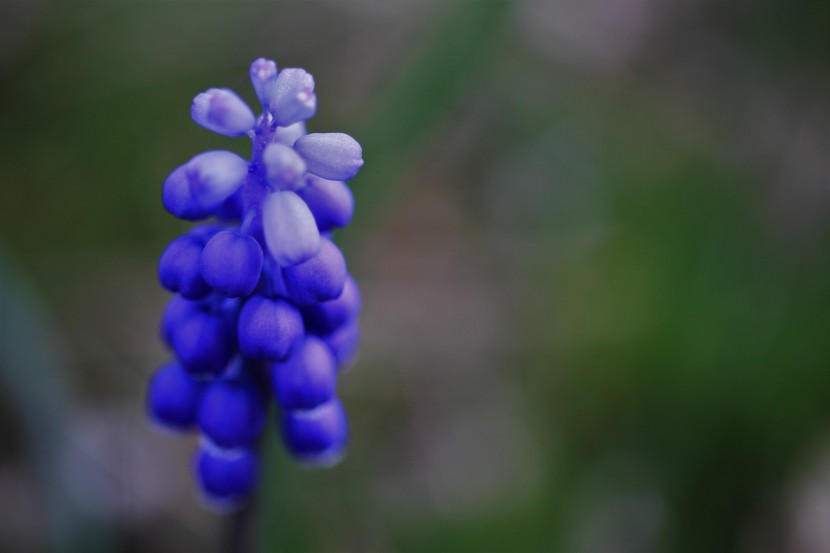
(264, 305)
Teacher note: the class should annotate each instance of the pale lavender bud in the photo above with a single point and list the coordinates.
(333, 156)
(213, 176)
(331, 202)
(284, 168)
(264, 79)
(222, 111)
(294, 98)
(290, 231)
(178, 199)
(289, 135)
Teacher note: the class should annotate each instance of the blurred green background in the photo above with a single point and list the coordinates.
(592, 238)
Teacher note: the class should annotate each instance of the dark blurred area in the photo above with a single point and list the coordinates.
(592, 238)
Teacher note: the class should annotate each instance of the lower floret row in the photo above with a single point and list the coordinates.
(228, 477)
(230, 413)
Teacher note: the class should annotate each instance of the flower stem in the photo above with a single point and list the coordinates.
(238, 530)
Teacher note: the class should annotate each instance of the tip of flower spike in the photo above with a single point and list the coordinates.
(264, 80)
(220, 110)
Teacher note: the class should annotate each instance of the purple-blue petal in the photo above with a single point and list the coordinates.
(226, 477)
(308, 378)
(173, 397)
(178, 200)
(268, 329)
(321, 278)
(330, 201)
(317, 437)
(179, 269)
(204, 342)
(232, 412)
(344, 343)
(231, 263)
(326, 317)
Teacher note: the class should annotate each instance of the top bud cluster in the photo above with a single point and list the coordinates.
(285, 161)
(264, 306)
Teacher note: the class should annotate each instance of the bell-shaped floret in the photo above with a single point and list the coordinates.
(231, 263)
(173, 397)
(214, 176)
(321, 278)
(226, 477)
(334, 155)
(264, 80)
(294, 98)
(204, 342)
(289, 228)
(343, 343)
(268, 329)
(179, 268)
(220, 110)
(177, 309)
(284, 168)
(271, 283)
(307, 379)
(289, 134)
(232, 208)
(205, 231)
(331, 202)
(178, 199)
(318, 436)
(232, 412)
(326, 317)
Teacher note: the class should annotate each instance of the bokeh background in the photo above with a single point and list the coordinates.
(592, 238)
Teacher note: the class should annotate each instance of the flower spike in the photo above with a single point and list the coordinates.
(264, 308)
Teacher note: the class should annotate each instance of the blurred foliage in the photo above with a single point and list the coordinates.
(30, 345)
(668, 339)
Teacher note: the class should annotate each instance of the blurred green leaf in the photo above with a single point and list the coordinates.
(422, 93)
(33, 376)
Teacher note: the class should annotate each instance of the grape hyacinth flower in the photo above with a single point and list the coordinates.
(264, 307)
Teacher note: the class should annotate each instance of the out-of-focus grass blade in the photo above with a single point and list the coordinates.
(414, 102)
(32, 375)
(400, 120)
